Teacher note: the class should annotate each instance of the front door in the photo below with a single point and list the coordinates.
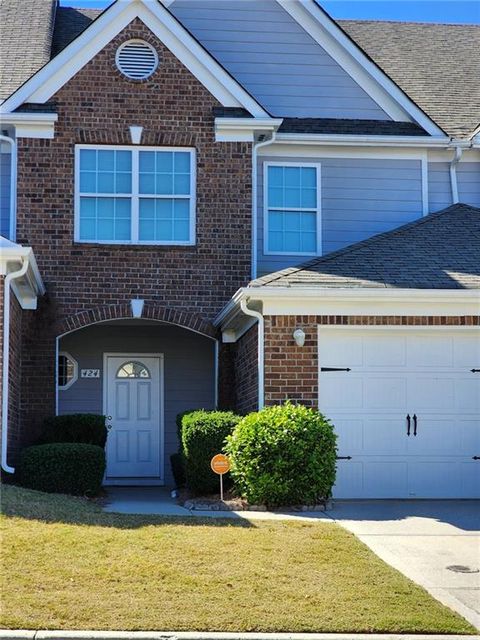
(133, 405)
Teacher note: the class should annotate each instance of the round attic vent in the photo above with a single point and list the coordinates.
(136, 59)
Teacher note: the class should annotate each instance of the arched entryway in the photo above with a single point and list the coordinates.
(141, 373)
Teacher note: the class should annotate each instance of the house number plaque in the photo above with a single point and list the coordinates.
(90, 373)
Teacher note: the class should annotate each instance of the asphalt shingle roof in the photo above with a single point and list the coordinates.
(439, 251)
(437, 65)
(26, 29)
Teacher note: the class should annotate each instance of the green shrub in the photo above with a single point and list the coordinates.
(178, 469)
(283, 455)
(64, 467)
(203, 436)
(87, 428)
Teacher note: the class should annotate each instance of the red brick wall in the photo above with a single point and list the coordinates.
(15, 365)
(246, 371)
(97, 106)
(291, 372)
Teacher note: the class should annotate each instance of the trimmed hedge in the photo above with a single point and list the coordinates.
(283, 455)
(86, 428)
(203, 436)
(66, 467)
(178, 469)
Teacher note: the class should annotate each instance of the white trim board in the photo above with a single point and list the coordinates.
(142, 481)
(357, 64)
(50, 78)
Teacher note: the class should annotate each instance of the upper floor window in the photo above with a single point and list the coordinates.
(135, 195)
(292, 209)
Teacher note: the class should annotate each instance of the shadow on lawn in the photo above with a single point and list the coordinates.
(17, 502)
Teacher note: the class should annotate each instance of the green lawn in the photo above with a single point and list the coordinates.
(67, 565)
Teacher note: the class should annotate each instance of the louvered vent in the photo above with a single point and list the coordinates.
(136, 59)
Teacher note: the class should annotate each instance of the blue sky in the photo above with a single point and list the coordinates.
(463, 11)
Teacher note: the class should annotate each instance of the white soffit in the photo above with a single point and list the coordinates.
(357, 64)
(48, 80)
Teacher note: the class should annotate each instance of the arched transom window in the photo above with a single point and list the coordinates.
(133, 369)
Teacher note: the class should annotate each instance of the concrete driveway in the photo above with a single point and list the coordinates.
(435, 543)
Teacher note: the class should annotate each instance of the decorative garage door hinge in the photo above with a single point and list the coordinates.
(344, 457)
(475, 370)
(334, 369)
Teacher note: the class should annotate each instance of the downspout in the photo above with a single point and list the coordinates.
(261, 350)
(257, 146)
(13, 184)
(453, 174)
(6, 359)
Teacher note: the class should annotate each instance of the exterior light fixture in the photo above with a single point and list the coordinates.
(137, 308)
(299, 337)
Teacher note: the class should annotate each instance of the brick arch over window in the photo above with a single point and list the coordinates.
(151, 311)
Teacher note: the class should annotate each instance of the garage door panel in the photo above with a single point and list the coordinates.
(349, 482)
(395, 372)
(383, 350)
(385, 393)
(340, 393)
(371, 434)
(385, 479)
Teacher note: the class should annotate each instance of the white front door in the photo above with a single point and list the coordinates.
(405, 404)
(135, 415)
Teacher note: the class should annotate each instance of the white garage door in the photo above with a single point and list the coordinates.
(406, 407)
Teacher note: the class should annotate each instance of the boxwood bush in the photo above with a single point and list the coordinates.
(203, 435)
(87, 428)
(64, 467)
(283, 455)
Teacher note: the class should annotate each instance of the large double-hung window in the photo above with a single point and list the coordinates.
(135, 195)
(292, 209)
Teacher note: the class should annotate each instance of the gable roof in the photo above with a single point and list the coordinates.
(26, 30)
(434, 64)
(439, 251)
(437, 65)
(53, 75)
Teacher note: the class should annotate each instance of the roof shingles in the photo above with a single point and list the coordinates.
(439, 251)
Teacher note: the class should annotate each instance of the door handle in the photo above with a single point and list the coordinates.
(408, 424)
(414, 424)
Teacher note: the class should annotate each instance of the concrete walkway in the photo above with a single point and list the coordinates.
(435, 543)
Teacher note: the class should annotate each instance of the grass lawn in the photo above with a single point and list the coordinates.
(68, 565)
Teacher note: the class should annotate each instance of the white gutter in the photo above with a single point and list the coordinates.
(366, 140)
(453, 173)
(6, 359)
(255, 149)
(13, 185)
(260, 350)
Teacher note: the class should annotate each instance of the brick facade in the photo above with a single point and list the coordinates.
(15, 368)
(246, 371)
(291, 372)
(89, 281)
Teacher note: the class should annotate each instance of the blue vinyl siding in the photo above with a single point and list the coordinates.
(439, 187)
(275, 59)
(359, 198)
(5, 169)
(468, 179)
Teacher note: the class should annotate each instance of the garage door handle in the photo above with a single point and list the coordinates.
(414, 424)
(408, 424)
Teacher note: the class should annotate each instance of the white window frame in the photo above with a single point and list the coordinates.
(135, 195)
(75, 370)
(301, 165)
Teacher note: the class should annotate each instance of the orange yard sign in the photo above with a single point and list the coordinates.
(220, 464)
